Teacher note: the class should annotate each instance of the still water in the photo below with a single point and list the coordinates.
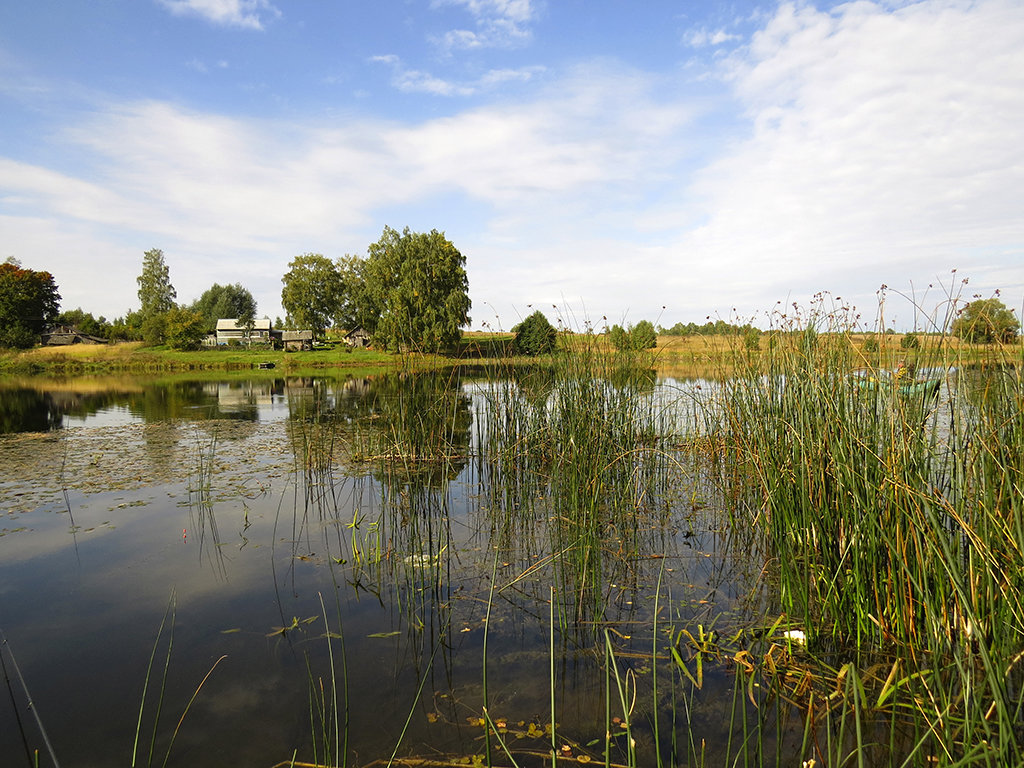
(339, 551)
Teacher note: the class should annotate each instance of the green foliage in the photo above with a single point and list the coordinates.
(535, 335)
(987, 321)
(639, 337)
(312, 293)
(28, 303)
(910, 341)
(416, 294)
(184, 329)
(85, 322)
(619, 337)
(871, 344)
(752, 340)
(156, 294)
(154, 329)
(356, 309)
(716, 328)
(643, 336)
(226, 302)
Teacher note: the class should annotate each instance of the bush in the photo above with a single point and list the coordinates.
(910, 341)
(184, 329)
(870, 344)
(535, 335)
(643, 336)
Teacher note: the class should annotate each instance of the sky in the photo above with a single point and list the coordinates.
(605, 161)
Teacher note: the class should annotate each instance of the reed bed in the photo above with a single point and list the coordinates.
(895, 520)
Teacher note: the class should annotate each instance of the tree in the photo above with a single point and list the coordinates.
(638, 337)
(619, 337)
(225, 302)
(356, 309)
(643, 336)
(535, 335)
(28, 303)
(910, 341)
(312, 291)
(156, 294)
(84, 322)
(986, 321)
(416, 291)
(184, 329)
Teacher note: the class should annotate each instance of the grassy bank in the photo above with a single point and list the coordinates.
(133, 357)
(681, 356)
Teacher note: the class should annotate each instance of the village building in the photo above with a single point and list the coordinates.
(295, 341)
(63, 335)
(228, 330)
(358, 338)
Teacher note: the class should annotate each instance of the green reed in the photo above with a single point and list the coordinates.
(579, 441)
(895, 517)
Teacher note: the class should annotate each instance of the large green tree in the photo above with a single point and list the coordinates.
(312, 292)
(28, 303)
(416, 291)
(987, 321)
(225, 302)
(156, 294)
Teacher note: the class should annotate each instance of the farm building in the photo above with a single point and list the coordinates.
(63, 335)
(229, 330)
(297, 340)
(358, 338)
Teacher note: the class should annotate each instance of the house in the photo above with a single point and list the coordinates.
(358, 338)
(296, 340)
(229, 330)
(63, 335)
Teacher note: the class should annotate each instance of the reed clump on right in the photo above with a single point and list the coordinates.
(896, 516)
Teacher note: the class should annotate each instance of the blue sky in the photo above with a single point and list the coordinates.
(594, 158)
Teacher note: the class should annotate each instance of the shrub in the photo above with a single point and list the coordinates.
(910, 341)
(535, 335)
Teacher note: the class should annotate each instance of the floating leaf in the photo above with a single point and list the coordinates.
(385, 634)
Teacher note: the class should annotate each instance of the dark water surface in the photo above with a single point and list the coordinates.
(261, 513)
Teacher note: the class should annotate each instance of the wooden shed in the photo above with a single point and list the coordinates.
(295, 341)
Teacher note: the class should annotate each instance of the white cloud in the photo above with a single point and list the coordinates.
(700, 38)
(499, 24)
(248, 14)
(417, 81)
(884, 145)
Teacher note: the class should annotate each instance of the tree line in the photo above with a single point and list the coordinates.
(410, 292)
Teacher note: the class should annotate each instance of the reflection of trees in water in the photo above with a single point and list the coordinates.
(408, 427)
(26, 410)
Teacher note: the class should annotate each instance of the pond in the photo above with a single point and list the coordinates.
(440, 568)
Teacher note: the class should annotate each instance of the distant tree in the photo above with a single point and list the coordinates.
(870, 344)
(637, 337)
(752, 339)
(225, 302)
(910, 341)
(987, 321)
(28, 303)
(416, 294)
(84, 322)
(184, 328)
(156, 294)
(535, 335)
(642, 336)
(312, 291)
(618, 336)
